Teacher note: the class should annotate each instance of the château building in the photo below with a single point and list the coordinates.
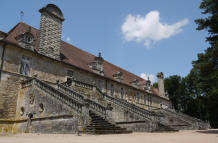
(50, 86)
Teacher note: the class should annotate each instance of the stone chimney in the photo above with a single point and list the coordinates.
(160, 78)
(50, 31)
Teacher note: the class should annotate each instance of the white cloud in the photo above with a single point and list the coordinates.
(149, 29)
(68, 39)
(151, 77)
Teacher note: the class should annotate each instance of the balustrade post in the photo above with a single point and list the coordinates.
(108, 111)
(85, 113)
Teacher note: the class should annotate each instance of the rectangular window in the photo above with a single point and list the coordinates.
(121, 93)
(144, 100)
(25, 66)
(112, 90)
(100, 84)
(150, 101)
(137, 97)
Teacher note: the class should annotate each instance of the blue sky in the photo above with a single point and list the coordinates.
(142, 36)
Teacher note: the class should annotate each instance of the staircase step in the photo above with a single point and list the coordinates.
(108, 132)
(99, 125)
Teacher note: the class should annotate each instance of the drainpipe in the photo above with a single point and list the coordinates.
(2, 60)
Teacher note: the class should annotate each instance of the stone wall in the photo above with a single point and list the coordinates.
(9, 89)
(50, 70)
(49, 115)
(40, 104)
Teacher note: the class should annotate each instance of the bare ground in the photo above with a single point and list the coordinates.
(200, 136)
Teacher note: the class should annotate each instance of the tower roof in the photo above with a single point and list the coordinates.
(54, 10)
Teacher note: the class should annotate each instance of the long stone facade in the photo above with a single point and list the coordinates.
(49, 86)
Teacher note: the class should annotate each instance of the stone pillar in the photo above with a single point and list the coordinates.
(109, 111)
(50, 31)
(85, 119)
(160, 78)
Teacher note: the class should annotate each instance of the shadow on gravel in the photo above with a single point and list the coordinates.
(212, 131)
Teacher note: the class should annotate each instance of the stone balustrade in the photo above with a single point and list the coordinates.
(84, 85)
(97, 107)
(73, 103)
(70, 92)
(121, 103)
(195, 122)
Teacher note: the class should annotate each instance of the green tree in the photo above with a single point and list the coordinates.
(195, 105)
(207, 62)
(174, 87)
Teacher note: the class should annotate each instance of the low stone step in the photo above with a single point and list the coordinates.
(105, 128)
(100, 122)
(99, 125)
(108, 132)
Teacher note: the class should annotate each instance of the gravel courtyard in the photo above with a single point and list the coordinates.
(200, 136)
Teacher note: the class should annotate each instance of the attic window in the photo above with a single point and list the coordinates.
(147, 85)
(118, 75)
(97, 65)
(26, 40)
(135, 83)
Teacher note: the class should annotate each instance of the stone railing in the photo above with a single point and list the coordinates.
(182, 115)
(67, 99)
(98, 108)
(70, 92)
(121, 103)
(129, 107)
(95, 107)
(81, 84)
(192, 120)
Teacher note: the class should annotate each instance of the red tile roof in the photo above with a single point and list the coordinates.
(78, 57)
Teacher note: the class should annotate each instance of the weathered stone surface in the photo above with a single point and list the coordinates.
(43, 108)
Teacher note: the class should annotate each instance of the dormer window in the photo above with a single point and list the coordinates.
(97, 65)
(135, 83)
(147, 85)
(119, 76)
(26, 40)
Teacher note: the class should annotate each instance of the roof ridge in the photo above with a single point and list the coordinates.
(125, 70)
(14, 27)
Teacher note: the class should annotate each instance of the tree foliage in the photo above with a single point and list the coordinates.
(207, 62)
(197, 93)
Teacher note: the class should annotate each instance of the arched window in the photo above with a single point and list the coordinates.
(26, 40)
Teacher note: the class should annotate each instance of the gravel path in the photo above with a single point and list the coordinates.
(204, 136)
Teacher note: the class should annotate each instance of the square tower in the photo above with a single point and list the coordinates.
(50, 31)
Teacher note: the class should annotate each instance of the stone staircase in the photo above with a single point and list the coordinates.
(189, 122)
(164, 128)
(78, 103)
(82, 88)
(100, 125)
